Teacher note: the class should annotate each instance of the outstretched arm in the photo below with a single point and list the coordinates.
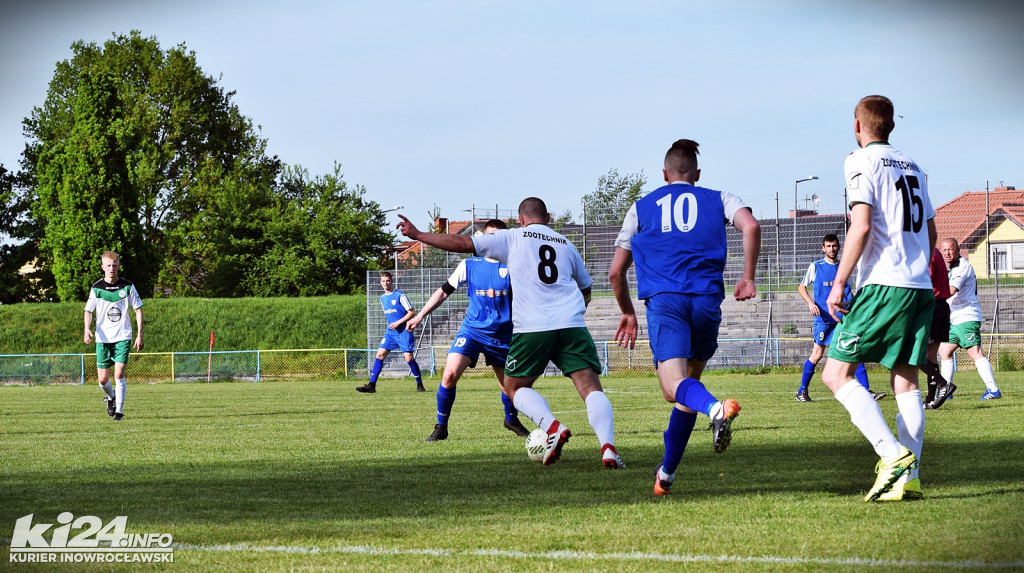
(87, 336)
(856, 240)
(433, 302)
(807, 298)
(745, 223)
(625, 334)
(444, 241)
(138, 337)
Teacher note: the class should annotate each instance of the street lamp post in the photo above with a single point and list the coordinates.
(395, 208)
(795, 207)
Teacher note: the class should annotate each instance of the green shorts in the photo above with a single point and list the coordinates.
(107, 353)
(965, 334)
(571, 349)
(888, 325)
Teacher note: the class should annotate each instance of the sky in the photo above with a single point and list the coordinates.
(466, 106)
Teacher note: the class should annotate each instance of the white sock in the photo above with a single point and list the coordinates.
(106, 387)
(529, 401)
(985, 371)
(599, 412)
(119, 388)
(946, 369)
(910, 423)
(867, 416)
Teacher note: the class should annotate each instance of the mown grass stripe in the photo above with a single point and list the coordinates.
(584, 555)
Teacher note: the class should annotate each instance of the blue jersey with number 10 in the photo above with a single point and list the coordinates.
(680, 242)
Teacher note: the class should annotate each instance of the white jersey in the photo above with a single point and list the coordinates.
(110, 303)
(897, 251)
(547, 274)
(963, 306)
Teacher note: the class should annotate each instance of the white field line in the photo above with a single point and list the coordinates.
(584, 555)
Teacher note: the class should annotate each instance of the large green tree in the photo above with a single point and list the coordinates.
(320, 237)
(132, 142)
(608, 203)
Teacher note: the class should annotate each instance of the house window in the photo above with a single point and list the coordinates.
(1008, 258)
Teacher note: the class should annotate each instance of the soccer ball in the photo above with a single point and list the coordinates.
(536, 445)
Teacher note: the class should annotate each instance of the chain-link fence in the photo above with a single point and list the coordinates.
(149, 367)
(774, 329)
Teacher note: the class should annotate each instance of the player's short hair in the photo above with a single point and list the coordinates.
(533, 208)
(111, 255)
(951, 240)
(682, 156)
(830, 238)
(495, 224)
(386, 274)
(875, 113)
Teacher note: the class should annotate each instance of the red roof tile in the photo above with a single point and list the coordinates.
(964, 217)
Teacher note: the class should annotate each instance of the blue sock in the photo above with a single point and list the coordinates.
(808, 374)
(692, 394)
(677, 435)
(378, 365)
(445, 399)
(510, 410)
(862, 376)
(415, 369)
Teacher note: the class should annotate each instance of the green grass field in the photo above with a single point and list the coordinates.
(315, 476)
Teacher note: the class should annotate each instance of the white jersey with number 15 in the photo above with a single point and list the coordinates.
(897, 251)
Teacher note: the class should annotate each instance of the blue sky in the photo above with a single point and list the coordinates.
(481, 103)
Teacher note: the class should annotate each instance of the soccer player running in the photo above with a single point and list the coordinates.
(676, 235)
(819, 277)
(110, 298)
(487, 329)
(939, 389)
(965, 321)
(397, 311)
(892, 233)
(552, 290)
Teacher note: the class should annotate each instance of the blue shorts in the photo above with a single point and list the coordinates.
(472, 344)
(394, 339)
(823, 333)
(683, 325)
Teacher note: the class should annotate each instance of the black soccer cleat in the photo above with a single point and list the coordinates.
(118, 416)
(420, 388)
(721, 425)
(517, 427)
(803, 397)
(440, 433)
(111, 407)
(942, 393)
(367, 389)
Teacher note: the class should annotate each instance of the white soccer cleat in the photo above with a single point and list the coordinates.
(556, 439)
(610, 458)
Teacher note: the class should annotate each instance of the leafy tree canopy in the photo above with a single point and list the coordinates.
(614, 195)
(131, 140)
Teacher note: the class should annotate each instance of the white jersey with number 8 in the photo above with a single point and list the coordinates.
(547, 273)
(897, 250)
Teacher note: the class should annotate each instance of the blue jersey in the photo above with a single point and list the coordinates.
(490, 296)
(396, 305)
(678, 242)
(820, 276)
